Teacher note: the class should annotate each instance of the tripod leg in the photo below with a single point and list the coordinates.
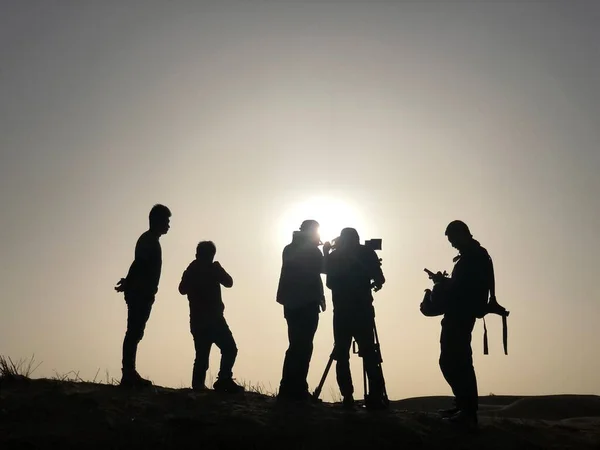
(319, 388)
(365, 382)
(379, 368)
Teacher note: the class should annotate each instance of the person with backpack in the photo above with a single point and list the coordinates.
(462, 299)
(201, 282)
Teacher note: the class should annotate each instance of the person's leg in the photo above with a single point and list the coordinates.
(290, 370)
(447, 360)
(223, 339)
(302, 325)
(310, 322)
(456, 362)
(466, 380)
(342, 335)
(138, 313)
(202, 345)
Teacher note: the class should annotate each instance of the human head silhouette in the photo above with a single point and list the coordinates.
(205, 251)
(458, 234)
(310, 228)
(348, 238)
(160, 219)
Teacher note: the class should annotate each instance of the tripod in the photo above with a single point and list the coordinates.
(355, 350)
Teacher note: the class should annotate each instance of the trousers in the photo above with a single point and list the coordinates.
(360, 326)
(456, 361)
(302, 325)
(208, 332)
(139, 308)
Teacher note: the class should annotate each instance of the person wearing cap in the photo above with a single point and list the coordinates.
(468, 286)
(301, 293)
(353, 271)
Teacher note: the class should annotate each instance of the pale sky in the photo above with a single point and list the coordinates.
(247, 117)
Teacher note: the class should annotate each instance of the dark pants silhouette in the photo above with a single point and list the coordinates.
(302, 325)
(139, 308)
(206, 333)
(456, 361)
(358, 325)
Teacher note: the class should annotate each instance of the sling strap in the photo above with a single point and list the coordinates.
(504, 316)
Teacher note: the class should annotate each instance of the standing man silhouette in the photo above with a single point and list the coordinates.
(353, 271)
(468, 289)
(300, 291)
(140, 287)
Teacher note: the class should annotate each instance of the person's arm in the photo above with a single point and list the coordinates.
(322, 302)
(223, 277)
(145, 250)
(145, 259)
(326, 252)
(332, 274)
(184, 283)
(468, 278)
(282, 280)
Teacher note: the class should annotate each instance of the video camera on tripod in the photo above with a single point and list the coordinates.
(376, 283)
(373, 244)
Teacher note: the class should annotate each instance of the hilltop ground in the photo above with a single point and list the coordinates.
(63, 414)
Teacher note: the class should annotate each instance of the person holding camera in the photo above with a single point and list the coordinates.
(353, 271)
(301, 293)
(461, 299)
(201, 282)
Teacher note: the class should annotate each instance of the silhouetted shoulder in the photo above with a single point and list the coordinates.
(147, 246)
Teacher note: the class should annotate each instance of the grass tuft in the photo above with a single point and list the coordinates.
(14, 370)
(258, 388)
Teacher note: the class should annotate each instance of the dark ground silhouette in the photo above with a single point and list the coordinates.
(54, 414)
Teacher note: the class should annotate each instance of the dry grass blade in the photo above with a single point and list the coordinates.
(22, 368)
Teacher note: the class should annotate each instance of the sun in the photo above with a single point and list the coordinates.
(331, 213)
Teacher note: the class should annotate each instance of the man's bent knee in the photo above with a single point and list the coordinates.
(231, 351)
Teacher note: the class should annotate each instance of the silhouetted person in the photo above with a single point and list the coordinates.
(300, 291)
(140, 287)
(467, 289)
(353, 270)
(201, 282)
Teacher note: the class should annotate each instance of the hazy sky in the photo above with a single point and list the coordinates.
(246, 118)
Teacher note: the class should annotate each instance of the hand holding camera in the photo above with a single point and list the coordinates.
(121, 285)
(437, 277)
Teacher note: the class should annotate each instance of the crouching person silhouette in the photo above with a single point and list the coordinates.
(201, 282)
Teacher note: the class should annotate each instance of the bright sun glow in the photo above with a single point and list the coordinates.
(332, 215)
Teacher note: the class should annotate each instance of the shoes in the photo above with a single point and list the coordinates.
(287, 396)
(445, 413)
(463, 419)
(227, 385)
(132, 379)
(376, 403)
(348, 402)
